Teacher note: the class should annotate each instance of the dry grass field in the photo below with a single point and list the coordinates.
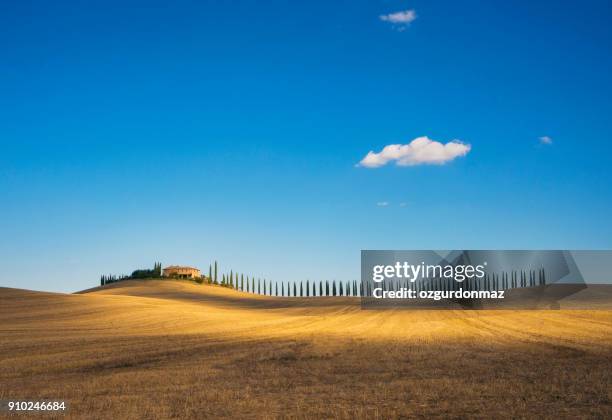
(171, 349)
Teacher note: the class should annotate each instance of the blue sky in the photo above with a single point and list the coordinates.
(192, 131)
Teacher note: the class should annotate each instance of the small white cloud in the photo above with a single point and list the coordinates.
(545, 140)
(404, 17)
(382, 203)
(420, 151)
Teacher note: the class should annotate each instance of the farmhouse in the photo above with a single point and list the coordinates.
(181, 272)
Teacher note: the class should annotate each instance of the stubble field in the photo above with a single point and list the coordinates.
(172, 349)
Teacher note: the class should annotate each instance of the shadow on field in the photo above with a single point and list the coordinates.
(564, 296)
(191, 376)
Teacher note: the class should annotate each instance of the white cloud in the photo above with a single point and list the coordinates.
(404, 17)
(420, 151)
(545, 140)
(382, 203)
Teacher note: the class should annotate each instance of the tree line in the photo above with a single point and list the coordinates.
(251, 284)
(495, 281)
(145, 273)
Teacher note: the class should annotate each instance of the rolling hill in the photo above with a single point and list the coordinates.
(165, 349)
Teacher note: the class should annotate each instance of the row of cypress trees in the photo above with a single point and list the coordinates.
(250, 284)
(112, 278)
(495, 281)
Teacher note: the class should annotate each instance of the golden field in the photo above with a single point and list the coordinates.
(175, 349)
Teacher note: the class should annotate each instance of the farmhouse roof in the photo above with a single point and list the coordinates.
(180, 266)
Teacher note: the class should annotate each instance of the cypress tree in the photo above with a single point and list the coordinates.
(216, 279)
(326, 287)
(294, 289)
(258, 286)
(242, 282)
(283, 289)
(301, 289)
(307, 288)
(528, 279)
(334, 288)
(530, 275)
